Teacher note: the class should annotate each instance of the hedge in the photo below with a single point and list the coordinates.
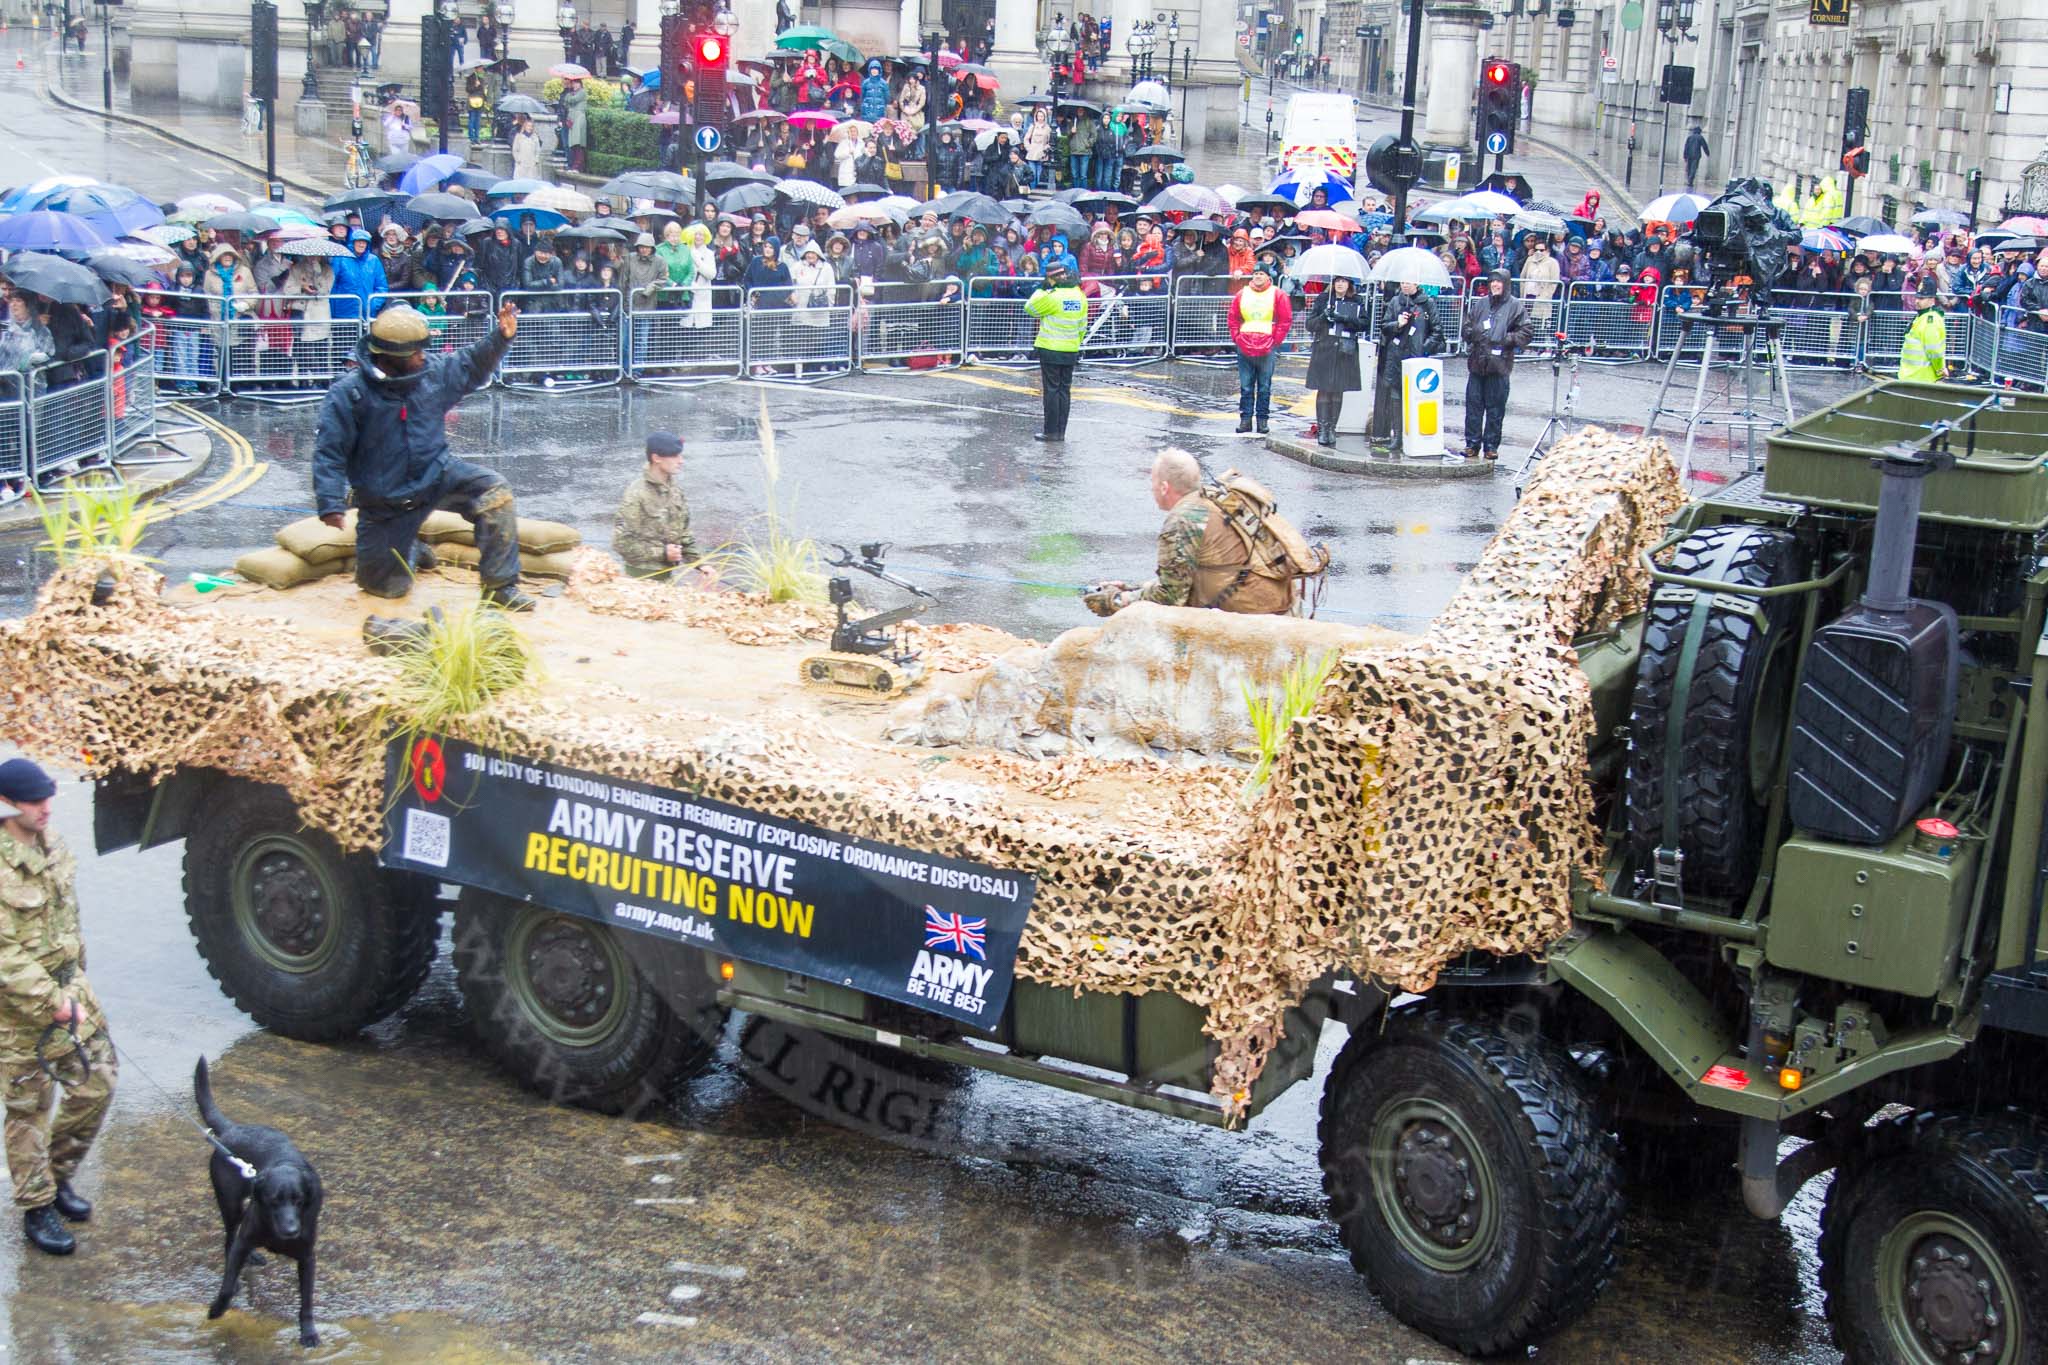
(621, 140)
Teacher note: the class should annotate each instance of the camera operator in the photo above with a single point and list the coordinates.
(1496, 326)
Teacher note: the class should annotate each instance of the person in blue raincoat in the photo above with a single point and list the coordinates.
(357, 277)
(382, 445)
(874, 93)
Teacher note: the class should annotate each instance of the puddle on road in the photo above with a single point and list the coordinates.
(48, 1328)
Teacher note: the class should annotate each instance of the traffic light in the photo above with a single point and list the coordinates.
(711, 56)
(263, 51)
(1855, 126)
(1500, 101)
(1392, 167)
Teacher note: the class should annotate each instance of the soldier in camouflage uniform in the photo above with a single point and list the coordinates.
(1177, 491)
(651, 532)
(42, 974)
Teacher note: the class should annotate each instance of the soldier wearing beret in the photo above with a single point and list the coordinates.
(42, 983)
(383, 444)
(651, 532)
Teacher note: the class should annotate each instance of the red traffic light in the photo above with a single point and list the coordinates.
(710, 48)
(1497, 74)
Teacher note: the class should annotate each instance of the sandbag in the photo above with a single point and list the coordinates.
(442, 525)
(535, 537)
(314, 541)
(538, 566)
(276, 567)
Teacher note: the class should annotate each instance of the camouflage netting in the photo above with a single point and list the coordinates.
(1435, 801)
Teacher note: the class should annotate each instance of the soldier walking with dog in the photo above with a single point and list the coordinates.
(43, 985)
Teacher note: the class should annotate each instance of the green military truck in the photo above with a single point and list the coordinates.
(1816, 943)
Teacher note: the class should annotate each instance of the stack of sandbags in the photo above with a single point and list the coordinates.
(309, 548)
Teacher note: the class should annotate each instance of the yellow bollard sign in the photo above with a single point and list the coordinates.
(1422, 407)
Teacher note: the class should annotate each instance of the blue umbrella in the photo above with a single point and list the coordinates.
(517, 189)
(41, 230)
(547, 220)
(428, 173)
(651, 80)
(1300, 182)
(113, 209)
(32, 196)
(473, 178)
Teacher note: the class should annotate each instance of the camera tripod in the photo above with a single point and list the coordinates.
(1562, 420)
(1759, 346)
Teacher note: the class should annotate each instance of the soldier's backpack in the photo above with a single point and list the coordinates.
(1253, 559)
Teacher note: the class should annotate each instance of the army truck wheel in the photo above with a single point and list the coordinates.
(1934, 1243)
(1712, 701)
(311, 942)
(580, 1012)
(1470, 1179)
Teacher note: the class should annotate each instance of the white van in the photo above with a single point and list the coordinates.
(1321, 129)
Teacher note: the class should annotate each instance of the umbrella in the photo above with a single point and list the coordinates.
(1406, 265)
(748, 196)
(146, 253)
(899, 203)
(858, 215)
(970, 69)
(1031, 100)
(119, 269)
(1940, 218)
(468, 64)
(812, 118)
(396, 163)
(1188, 199)
(1277, 203)
(1068, 102)
(987, 212)
(547, 220)
(42, 230)
(1889, 244)
(803, 38)
(1199, 225)
(1491, 204)
(1159, 151)
(1019, 207)
(1329, 219)
(1062, 216)
(2025, 223)
(1537, 220)
(1824, 239)
(292, 232)
(1108, 197)
(1674, 208)
(1862, 225)
(949, 59)
(569, 71)
(208, 205)
(521, 104)
(113, 209)
(428, 173)
(473, 178)
(31, 196)
(561, 199)
(977, 125)
(851, 191)
(355, 199)
(511, 66)
(761, 116)
(588, 232)
(665, 118)
(450, 207)
(1151, 93)
(718, 172)
(514, 188)
(650, 184)
(849, 130)
(809, 192)
(1300, 183)
(477, 227)
(168, 234)
(1328, 260)
(1443, 211)
(312, 246)
(56, 279)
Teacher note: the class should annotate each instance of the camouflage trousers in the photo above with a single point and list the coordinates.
(46, 1145)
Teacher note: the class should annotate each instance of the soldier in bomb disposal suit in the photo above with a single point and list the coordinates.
(42, 982)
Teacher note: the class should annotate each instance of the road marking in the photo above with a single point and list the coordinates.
(664, 1320)
(683, 1293)
(1118, 397)
(661, 1180)
(243, 470)
(708, 1271)
(673, 1199)
(654, 1157)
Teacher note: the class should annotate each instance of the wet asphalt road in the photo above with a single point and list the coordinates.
(469, 1221)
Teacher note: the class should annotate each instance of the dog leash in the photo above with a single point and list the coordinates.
(85, 1065)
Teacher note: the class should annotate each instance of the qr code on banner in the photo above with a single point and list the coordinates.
(426, 838)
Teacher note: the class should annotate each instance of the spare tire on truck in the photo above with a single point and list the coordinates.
(312, 942)
(1713, 701)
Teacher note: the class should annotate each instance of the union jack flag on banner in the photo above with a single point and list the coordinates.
(955, 934)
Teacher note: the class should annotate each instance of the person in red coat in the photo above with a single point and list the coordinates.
(1259, 318)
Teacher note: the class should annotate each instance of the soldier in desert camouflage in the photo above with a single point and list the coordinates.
(1199, 556)
(42, 982)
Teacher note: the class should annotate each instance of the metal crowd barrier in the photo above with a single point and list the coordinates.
(569, 339)
(905, 336)
(1609, 320)
(1200, 329)
(694, 335)
(1130, 321)
(188, 348)
(458, 318)
(277, 354)
(798, 334)
(2020, 357)
(69, 422)
(131, 395)
(999, 331)
(13, 427)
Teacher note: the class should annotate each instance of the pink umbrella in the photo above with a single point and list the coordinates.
(665, 116)
(2025, 223)
(950, 59)
(1327, 218)
(569, 71)
(982, 125)
(294, 232)
(812, 118)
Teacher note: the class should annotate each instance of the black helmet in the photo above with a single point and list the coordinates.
(1059, 273)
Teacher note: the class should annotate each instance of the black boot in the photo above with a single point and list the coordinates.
(507, 597)
(1244, 426)
(423, 557)
(74, 1206)
(45, 1233)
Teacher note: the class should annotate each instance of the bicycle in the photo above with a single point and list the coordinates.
(359, 165)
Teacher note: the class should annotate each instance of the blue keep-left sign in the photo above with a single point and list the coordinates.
(1427, 380)
(1497, 143)
(708, 139)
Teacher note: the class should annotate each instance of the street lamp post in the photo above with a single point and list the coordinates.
(1674, 21)
(934, 44)
(1056, 45)
(316, 15)
(565, 20)
(1171, 22)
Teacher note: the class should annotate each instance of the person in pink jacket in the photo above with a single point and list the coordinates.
(1259, 318)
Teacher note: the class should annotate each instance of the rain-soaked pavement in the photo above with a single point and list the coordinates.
(468, 1220)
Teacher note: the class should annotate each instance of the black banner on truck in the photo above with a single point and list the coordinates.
(934, 932)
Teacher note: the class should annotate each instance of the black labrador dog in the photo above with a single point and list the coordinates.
(277, 1210)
